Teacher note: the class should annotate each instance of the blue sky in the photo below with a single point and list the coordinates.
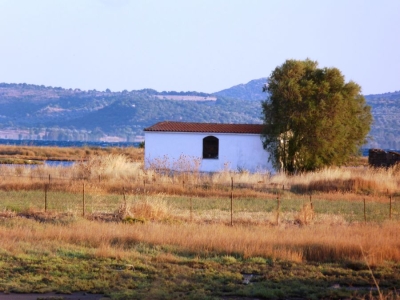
(195, 45)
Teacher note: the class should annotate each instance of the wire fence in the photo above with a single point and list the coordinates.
(231, 201)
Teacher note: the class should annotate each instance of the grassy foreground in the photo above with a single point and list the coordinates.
(192, 261)
(153, 235)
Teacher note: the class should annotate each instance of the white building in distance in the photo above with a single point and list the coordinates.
(205, 147)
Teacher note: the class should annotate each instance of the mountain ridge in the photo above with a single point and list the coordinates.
(44, 112)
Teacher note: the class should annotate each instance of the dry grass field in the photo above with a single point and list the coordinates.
(106, 225)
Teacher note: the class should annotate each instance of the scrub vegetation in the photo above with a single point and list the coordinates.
(153, 234)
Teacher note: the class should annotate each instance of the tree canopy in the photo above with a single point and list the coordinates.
(312, 117)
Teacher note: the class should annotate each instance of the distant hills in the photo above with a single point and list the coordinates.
(250, 91)
(53, 113)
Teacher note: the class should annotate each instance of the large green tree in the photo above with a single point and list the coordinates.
(313, 117)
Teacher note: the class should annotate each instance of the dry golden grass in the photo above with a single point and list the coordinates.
(111, 173)
(325, 243)
(345, 179)
(146, 217)
(70, 153)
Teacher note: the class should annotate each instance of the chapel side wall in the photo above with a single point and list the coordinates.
(244, 152)
(170, 146)
(236, 151)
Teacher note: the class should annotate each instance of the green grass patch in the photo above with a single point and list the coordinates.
(351, 211)
(19, 161)
(141, 276)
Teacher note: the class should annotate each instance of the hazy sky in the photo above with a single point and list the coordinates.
(195, 45)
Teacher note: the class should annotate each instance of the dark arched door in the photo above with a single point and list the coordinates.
(210, 147)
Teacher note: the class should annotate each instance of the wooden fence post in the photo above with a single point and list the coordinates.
(83, 199)
(278, 208)
(123, 191)
(365, 214)
(390, 207)
(49, 178)
(45, 197)
(231, 201)
(191, 210)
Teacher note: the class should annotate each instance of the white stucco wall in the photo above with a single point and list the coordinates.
(236, 151)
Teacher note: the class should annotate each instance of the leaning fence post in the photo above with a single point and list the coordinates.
(231, 201)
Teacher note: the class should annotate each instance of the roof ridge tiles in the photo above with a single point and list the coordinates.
(173, 126)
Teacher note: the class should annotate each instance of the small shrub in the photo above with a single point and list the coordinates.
(228, 260)
(131, 220)
(305, 215)
(150, 208)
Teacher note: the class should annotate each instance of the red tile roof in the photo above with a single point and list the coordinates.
(170, 126)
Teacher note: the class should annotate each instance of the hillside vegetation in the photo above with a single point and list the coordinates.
(386, 128)
(54, 113)
(59, 114)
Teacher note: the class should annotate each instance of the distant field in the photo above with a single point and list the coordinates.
(36, 153)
